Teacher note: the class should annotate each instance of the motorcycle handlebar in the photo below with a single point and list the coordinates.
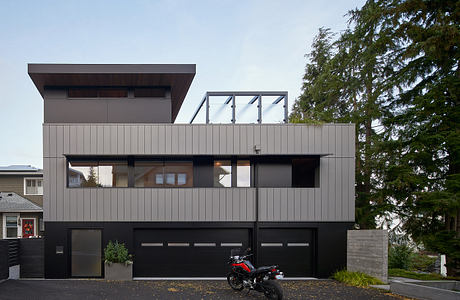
(244, 256)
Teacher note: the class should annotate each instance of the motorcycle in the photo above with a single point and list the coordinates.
(244, 275)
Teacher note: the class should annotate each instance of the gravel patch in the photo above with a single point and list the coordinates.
(102, 289)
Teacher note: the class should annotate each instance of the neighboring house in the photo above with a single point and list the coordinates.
(180, 196)
(21, 201)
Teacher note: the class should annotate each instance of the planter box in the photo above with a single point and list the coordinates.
(117, 271)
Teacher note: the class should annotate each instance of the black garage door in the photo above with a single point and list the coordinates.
(185, 252)
(291, 249)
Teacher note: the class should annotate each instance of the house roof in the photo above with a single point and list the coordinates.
(20, 170)
(177, 76)
(12, 202)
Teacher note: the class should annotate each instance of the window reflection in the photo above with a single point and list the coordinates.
(222, 173)
(163, 174)
(97, 174)
(243, 173)
(148, 174)
(179, 174)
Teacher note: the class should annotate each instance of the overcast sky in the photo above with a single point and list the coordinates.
(236, 45)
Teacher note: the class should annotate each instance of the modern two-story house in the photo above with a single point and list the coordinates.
(21, 202)
(181, 196)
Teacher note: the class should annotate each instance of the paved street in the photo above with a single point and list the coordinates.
(99, 289)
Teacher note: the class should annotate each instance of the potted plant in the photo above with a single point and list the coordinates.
(118, 262)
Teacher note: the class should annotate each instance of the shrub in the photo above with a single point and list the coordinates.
(419, 276)
(422, 262)
(399, 257)
(117, 253)
(355, 278)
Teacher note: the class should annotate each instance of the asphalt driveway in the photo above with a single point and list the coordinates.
(101, 289)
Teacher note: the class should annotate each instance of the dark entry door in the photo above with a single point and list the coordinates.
(290, 248)
(185, 252)
(86, 253)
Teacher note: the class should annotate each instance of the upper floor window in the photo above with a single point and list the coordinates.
(33, 186)
(98, 173)
(90, 92)
(151, 92)
(305, 172)
(116, 92)
(243, 173)
(163, 174)
(222, 173)
(225, 175)
(158, 172)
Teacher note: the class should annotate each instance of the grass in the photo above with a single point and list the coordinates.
(419, 276)
(355, 278)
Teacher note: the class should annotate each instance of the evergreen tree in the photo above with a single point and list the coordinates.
(344, 82)
(395, 74)
(425, 176)
(92, 179)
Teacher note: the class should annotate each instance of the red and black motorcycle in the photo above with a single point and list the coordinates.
(244, 275)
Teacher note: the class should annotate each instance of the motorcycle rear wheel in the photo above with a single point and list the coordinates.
(272, 290)
(235, 281)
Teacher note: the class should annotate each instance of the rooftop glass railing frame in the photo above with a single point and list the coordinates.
(230, 96)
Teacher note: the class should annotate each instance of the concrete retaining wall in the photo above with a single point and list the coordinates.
(367, 252)
(446, 290)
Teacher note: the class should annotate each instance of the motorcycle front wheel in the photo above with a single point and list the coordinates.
(272, 290)
(235, 281)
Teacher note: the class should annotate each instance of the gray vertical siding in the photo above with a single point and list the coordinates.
(166, 139)
(333, 200)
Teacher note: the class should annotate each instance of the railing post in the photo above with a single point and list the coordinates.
(207, 108)
(286, 117)
(233, 109)
(259, 106)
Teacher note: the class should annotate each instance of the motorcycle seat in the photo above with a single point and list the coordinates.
(263, 269)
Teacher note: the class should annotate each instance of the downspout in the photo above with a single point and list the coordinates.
(256, 223)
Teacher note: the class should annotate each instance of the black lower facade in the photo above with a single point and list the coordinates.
(185, 249)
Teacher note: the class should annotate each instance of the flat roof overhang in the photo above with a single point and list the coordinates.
(177, 76)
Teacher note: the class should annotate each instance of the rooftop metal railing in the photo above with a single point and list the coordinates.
(256, 98)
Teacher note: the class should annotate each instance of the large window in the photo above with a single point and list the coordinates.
(33, 186)
(98, 174)
(228, 173)
(158, 172)
(163, 174)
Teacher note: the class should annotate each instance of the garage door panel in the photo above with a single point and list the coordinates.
(185, 252)
(290, 248)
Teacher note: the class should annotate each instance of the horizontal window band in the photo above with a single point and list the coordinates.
(204, 244)
(231, 244)
(178, 244)
(298, 244)
(152, 244)
(271, 244)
